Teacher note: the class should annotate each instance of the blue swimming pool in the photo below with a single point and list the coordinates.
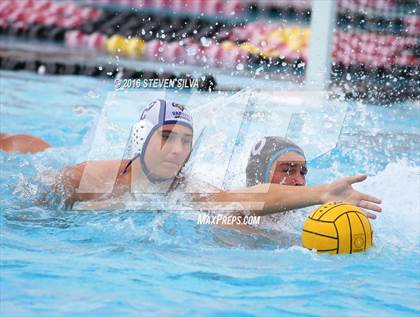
(56, 262)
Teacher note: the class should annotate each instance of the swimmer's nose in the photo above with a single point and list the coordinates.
(299, 180)
(177, 147)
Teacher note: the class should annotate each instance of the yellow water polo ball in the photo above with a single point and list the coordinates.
(337, 228)
(115, 44)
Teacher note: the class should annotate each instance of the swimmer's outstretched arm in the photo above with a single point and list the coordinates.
(267, 199)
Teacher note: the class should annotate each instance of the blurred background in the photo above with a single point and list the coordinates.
(59, 61)
(374, 44)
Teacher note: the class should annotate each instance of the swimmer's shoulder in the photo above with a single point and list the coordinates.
(103, 165)
(100, 169)
(96, 175)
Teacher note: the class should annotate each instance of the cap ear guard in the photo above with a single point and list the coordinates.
(139, 134)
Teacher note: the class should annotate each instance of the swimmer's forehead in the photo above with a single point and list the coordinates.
(176, 129)
(291, 158)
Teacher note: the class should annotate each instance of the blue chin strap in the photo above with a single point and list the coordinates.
(275, 156)
(146, 171)
(153, 179)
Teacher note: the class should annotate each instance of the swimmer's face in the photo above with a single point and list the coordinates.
(289, 169)
(168, 150)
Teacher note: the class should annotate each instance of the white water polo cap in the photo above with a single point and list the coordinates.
(158, 113)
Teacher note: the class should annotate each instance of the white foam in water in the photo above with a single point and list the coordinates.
(398, 226)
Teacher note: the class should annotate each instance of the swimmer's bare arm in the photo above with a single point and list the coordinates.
(267, 199)
(91, 180)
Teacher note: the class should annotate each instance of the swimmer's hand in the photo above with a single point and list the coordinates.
(342, 191)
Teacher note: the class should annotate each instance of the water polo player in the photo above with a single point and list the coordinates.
(276, 160)
(161, 144)
(160, 167)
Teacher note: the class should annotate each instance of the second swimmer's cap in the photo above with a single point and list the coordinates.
(158, 113)
(263, 155)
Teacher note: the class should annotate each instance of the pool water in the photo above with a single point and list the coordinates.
(57, 262)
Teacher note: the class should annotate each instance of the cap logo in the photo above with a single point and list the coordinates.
(150, 106)
(256, 150)
(179, 106)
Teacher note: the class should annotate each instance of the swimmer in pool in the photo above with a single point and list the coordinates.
(161, 144)
(276, 160)
(22, 143)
